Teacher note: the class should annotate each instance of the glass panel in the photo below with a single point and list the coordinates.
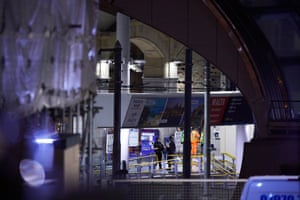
(282, 32)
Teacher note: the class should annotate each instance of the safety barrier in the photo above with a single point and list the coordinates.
(141, 167)
(147, 166)
(208, 189)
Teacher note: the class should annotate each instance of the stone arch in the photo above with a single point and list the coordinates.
(159, 49)
(152, 56)
(193, 24)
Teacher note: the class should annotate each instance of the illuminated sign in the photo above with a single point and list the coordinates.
(169, 111)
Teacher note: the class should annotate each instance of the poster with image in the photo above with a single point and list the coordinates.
(152, 112)
(173, 112)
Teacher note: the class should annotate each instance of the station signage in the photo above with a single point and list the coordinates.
(152, 111)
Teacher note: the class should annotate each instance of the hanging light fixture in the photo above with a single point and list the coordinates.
(102, 70)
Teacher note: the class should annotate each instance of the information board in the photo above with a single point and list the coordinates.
(169, 111)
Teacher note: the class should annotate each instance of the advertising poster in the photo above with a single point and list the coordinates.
(169, 111)
(152, 112)
(134, 143)
(134, 112)
(109, 143)
(173, 112)
(218, 107)
(237, 112)
(133, 137)
(197, 112)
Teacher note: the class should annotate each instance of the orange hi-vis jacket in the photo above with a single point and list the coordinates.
(195, 136)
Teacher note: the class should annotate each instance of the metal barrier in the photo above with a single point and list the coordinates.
(185, 189)
(144, 166)
(285, 110)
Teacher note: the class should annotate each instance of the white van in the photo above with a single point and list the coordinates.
(272, 188)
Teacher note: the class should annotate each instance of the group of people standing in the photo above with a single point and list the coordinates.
(169, 148)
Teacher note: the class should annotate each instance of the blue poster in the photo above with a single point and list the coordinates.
(152, 112)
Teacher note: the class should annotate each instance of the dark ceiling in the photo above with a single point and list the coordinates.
(279, 23)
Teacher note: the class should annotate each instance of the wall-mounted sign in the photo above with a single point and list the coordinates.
(133, 137)
(151, 111)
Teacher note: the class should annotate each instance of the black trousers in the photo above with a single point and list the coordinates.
(158, 159)
(170, 160)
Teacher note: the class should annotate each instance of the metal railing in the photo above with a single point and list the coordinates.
(143, 167)
(147, 166)
(285, 110)
(225, 166)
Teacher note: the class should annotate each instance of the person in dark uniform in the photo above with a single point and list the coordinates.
(158, 148)
(171, 149)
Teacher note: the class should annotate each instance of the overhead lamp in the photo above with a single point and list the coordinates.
(102, 69)
(139, 61)
(171, 69)
(177, 62)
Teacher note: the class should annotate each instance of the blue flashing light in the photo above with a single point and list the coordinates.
(44, 140)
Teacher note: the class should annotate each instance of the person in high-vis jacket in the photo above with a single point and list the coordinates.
(195, 139)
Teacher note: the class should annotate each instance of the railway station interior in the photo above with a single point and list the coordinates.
(87, 87)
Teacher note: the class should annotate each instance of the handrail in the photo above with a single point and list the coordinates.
(284, 110)
(228, 169)
(146, 165)
(229, 155)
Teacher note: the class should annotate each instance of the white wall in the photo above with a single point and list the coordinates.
(232, 139)
(227, 139)
(245, 134)
(105, 117)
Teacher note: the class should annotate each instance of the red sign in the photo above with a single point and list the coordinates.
(218, 107)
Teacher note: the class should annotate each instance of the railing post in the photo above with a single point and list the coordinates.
(223, 160)
(176, 167)
(151, 166)
(233, 166)
(199, 164)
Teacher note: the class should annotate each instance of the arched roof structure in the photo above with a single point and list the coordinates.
(234, 36)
